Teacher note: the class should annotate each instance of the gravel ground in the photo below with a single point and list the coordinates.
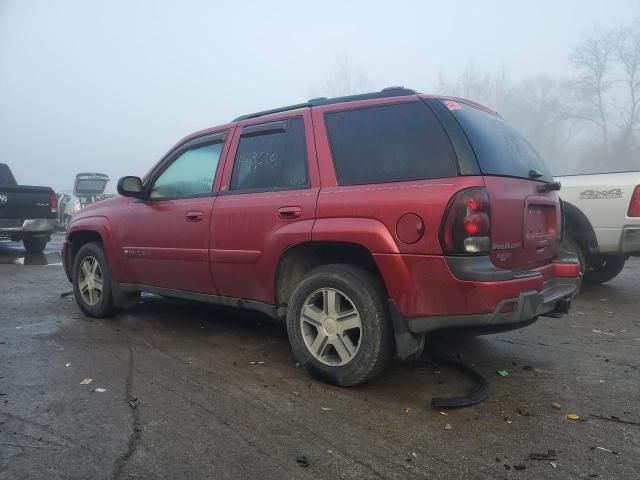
(207, 407)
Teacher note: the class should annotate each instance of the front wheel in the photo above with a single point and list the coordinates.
(92, 281)
(338, 324)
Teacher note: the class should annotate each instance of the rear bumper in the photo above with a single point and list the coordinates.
(29, 227)
(510, 313)
(631, 240)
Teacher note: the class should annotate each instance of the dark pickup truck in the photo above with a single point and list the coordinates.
(27, 214)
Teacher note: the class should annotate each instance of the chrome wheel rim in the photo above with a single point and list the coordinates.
(90, 280)
(331, 326)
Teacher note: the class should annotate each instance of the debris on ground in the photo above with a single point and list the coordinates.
(326, 409)
(555, 405)
(604, 450)
(67, 364)
(613, 418)
(573, 416)
(549, 455)
(553, 464)
(100, 390)
(133, 402)
(303, 461)
(508, 420)
(503, 373)
(520, 466)
(86, 381)
(595, 330)
(407, 409)
(523, 412)
(444, 414)
(448, 426)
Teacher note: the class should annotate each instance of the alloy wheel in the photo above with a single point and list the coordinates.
(90, 280)
(331, 326)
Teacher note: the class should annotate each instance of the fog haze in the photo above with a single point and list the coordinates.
(110, 86)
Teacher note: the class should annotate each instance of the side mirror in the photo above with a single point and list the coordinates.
(131, 187)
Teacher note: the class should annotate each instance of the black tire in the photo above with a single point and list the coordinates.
(604, 268)
(104, 307)
(571, 244)
(35, 245)
(367, 295)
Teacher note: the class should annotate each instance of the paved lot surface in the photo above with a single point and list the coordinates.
(205, 411)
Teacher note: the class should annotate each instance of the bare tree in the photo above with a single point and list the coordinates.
(346, 79)
(593, 60)
(628, 55)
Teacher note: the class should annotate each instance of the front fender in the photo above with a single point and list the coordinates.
(100, 225)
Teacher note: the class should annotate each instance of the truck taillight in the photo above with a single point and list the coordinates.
(53, 203)
(467, 226)
(634, 206)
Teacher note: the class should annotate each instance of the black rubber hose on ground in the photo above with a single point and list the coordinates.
(479, 394)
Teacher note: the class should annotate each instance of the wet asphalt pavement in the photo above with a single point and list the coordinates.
(219, 394)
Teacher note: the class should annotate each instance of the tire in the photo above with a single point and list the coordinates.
(604, 268)
(346, 354)
(572, 244)
(92, 301)
(35, 245)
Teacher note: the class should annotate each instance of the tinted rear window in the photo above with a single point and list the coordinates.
(499, 148)
(389, 143)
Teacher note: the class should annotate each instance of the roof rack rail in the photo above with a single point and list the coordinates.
(316, 102)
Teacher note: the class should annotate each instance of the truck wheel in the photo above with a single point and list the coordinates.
(91, 277)
(607, 268)
(339, 326)
(34, 245)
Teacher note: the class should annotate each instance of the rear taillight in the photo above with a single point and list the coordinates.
(467, 226)
(53, 203)
(634, 206)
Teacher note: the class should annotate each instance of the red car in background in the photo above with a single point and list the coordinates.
(364, 222)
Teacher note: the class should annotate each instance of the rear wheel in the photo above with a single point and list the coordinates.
(34, 245)
(92, 281)
(604, 268)
(338, 324)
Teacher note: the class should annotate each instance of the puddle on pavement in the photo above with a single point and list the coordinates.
(30, 259)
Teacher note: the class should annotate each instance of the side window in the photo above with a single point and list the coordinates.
(389, 143)
(190, 174)
(271, 160)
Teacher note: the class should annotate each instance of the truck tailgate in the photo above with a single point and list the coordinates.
(26, 202)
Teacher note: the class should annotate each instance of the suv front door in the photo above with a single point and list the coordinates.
(267, 202)
(166, 236)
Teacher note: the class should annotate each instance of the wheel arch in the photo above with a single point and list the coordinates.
(576, 220)
(299, 259)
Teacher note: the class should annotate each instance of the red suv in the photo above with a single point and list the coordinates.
(364, 221)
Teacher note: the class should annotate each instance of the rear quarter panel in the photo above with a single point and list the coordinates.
(604, 199)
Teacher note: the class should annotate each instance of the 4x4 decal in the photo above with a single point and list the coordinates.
(601, 194)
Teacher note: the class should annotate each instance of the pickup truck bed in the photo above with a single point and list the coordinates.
(27, 213)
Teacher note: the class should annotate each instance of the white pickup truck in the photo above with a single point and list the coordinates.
(602, 221)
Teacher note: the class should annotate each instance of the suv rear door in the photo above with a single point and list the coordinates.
(267, 203)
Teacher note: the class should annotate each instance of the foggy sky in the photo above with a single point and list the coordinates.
(110, 86)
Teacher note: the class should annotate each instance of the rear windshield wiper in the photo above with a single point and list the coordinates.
(548, 187)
